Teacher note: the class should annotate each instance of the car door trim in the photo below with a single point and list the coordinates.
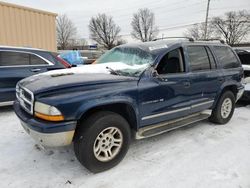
(165, 113)
(177, 110)
(203, 103)
(7, 103)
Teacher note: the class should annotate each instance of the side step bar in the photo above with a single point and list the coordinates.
(163, 127)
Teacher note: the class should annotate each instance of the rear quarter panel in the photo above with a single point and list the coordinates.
(232, 76)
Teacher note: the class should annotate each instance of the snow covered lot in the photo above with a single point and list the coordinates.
(201, 155)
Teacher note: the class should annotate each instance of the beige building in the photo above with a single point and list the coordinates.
(27, 27)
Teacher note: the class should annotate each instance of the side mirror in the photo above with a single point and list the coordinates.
(158, 76)
(155, 74)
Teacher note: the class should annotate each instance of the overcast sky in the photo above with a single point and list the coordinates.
(168, 13)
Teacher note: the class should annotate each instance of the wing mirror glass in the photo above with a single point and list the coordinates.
(155, 74)
(158, 76)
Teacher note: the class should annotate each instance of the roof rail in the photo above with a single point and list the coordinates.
(189, 38)
(21, 47)
(240, 50)
(213, 39)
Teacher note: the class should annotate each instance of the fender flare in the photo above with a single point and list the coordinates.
(108, 101)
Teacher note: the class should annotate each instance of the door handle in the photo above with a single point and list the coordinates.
(220, 79)
(164, 79)
(186, 84)
(35, 70)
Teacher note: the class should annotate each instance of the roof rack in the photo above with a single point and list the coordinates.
(240, 50)
(189, 38)
(213, 39)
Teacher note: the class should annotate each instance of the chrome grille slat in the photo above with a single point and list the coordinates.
(26, 98)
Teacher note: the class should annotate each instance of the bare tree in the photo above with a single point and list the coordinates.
(121, 41)
(104, 31)
(234, 27)
(77, 42)
(66, 31)
(143, 25)
(197, 32)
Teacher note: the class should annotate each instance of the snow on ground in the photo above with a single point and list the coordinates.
(201, 155)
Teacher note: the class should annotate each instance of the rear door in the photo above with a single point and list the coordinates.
(205, 78)
(16, 65)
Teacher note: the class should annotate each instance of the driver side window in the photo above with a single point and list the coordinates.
(172, 62)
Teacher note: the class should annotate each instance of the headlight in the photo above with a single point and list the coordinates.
(47, 112)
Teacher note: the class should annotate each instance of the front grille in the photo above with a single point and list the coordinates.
(26, 98)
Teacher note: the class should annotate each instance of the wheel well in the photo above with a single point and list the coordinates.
(123, 109)
(232, 88)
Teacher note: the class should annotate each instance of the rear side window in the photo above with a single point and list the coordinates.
(8, 58)
(226, 57)
(198, 58)
(13, 59)
(34, 60)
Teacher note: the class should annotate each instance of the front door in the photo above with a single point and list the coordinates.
(166, 95)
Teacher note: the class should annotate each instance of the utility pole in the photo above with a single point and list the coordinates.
(205, 34)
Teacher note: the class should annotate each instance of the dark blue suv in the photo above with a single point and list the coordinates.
(18, 63)
(134, 90)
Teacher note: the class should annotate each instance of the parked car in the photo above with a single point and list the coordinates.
(244, 56)
(73, 57)
(61, 60)
(17, 63)
(134, 90)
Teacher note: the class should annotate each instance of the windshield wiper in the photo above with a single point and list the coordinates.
(112, 71)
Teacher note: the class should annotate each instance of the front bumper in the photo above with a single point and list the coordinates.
(50, 134)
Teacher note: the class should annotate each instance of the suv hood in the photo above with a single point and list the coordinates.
(74, 77)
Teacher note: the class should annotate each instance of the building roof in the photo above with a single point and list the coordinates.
(27, 8)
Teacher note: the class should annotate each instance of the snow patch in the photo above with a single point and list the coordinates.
(202, 155)
(96, 68)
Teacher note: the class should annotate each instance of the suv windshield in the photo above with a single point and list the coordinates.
(128, 61)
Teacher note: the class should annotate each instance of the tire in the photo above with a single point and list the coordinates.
(101, 132)
(223, 111)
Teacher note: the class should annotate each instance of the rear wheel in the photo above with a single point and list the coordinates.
(224, 109)
(102, 141)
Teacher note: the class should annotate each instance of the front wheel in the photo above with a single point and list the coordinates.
(224, 109)
(102, 141)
